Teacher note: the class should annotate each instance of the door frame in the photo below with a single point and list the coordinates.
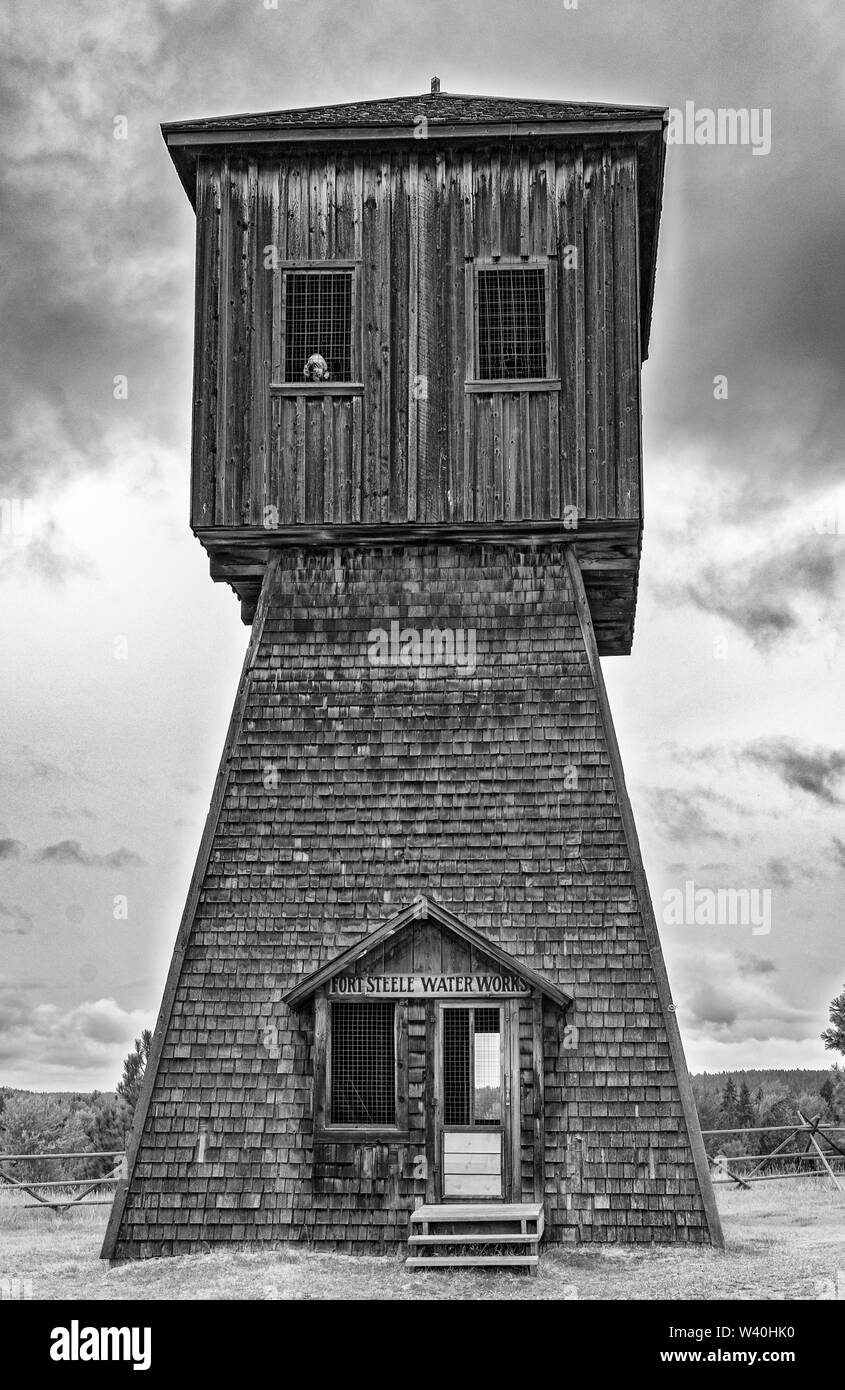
(511, 1100)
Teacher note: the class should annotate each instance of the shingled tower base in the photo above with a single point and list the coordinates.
(348, 790)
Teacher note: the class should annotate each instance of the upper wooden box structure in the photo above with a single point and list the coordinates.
(473, 277)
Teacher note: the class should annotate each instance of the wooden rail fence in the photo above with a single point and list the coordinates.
(33, 1187)
(812, 1152)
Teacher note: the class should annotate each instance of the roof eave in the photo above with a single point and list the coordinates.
(187, 141)
(655, 235)
(195, 133)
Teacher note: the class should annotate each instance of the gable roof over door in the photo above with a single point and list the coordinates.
(419, 910)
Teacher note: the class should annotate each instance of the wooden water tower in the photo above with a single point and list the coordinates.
(418, 990)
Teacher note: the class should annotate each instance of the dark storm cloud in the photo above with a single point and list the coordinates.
(79, 1038)
(817, 771)
(839, 851)
(761, 297)
(820, 772)
(48, 555)
(71, 852)
(683, 868)
(45, 771)
(755, 965)
(735, 997)
(65, 852)
(42, 769)
(744, 1009)
(15, 1007)
(14, 921)
(89, 296)
(119, 859)
(98, 239)
(779, 872)
(765, 597)
(688, 814)
(10, 849)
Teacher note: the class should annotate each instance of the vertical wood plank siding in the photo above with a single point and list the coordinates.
(411, 444)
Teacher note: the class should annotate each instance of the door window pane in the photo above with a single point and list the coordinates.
(487, 1106)
(472, 1066)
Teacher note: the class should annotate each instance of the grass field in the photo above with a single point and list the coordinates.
(780, 1244)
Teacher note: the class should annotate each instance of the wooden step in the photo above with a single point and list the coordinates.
(478, 1211)
(495, 1221)
(471, 1225)
(479, 1238)
(497, 1261)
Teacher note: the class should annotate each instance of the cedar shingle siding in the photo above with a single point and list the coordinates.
(351, 790)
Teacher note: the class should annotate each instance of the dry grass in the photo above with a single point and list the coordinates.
(780, 1244)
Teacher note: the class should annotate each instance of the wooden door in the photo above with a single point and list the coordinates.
(473, 1104)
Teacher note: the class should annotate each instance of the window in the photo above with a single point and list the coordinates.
(511, 322)
(472, 1066)
(317, 324)
(362, 1071)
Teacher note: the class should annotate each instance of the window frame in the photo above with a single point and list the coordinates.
(470, 1005)
(355, 385)
(474, 381)
(324, 1130)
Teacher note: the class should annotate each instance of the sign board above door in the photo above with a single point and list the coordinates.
(479, 984)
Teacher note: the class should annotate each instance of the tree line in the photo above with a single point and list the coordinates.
(38, 1122)
(751, 1100)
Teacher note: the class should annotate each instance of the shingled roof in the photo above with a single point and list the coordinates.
(439, 108)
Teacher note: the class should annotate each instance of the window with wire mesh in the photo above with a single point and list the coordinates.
(511, 318)
(457, 1092)
(318, 323)
(472, 1066)
(363, 1064)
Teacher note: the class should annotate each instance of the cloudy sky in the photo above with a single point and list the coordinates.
(122, 658)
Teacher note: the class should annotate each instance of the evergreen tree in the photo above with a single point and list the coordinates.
(834, 1037)
(728, 1105)
(106, 1122)
(837, 1100)
(129, 1086)
(33, 1124)
(745, 1109)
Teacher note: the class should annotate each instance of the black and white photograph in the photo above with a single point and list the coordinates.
(422, 576)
